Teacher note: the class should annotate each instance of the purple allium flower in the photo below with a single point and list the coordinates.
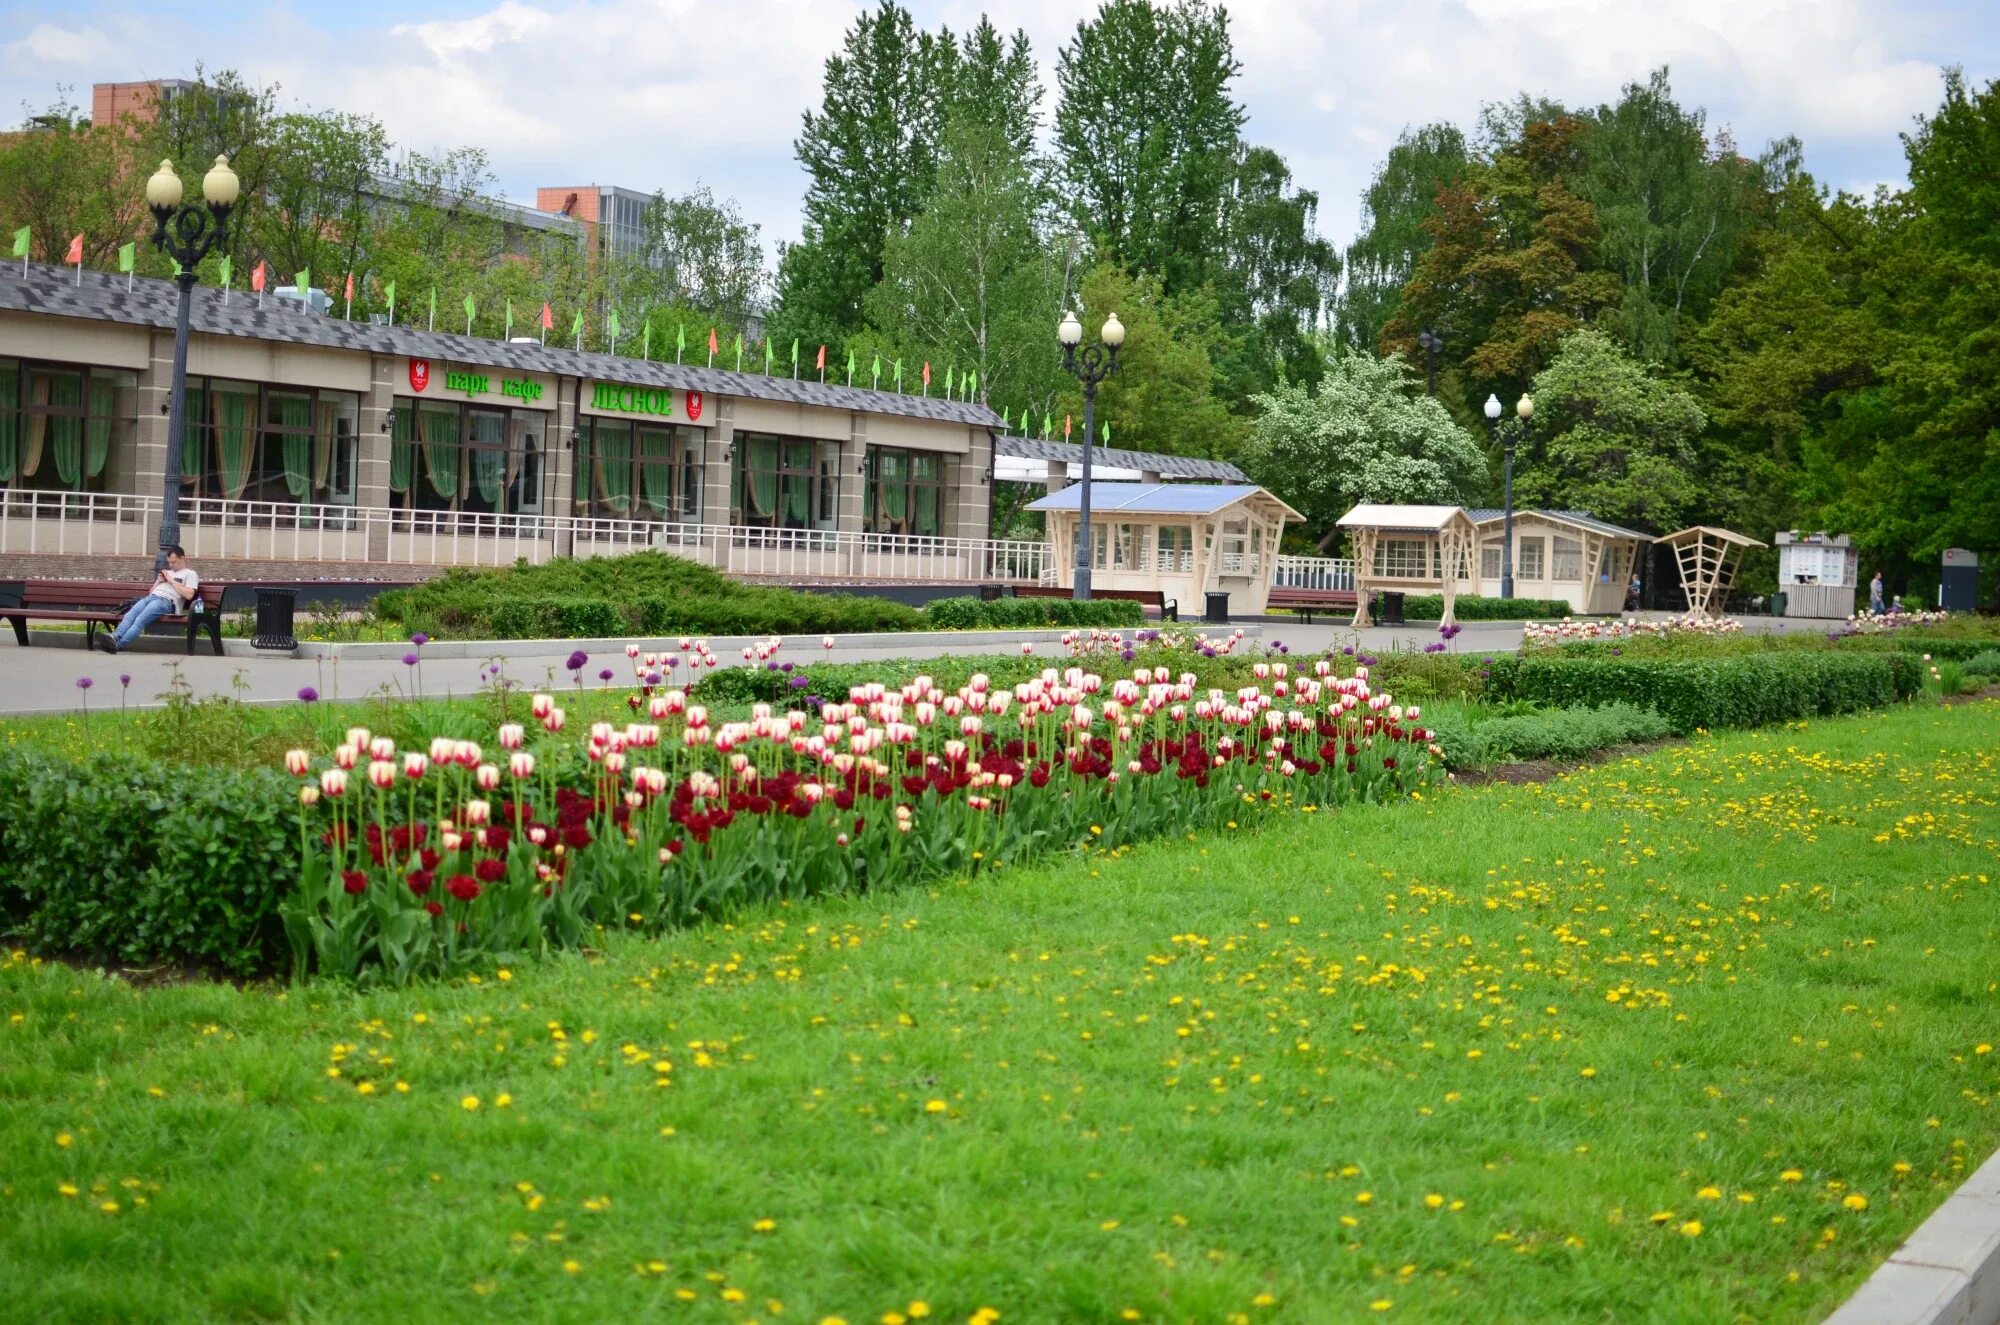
(673, 661)
(1128, 655)
(420, 639)
(605, 675)
(800, 682)
(307, 694)
(653, 678)
(1349, 650)
(84, 683)
(784, 667)
(577, 660)
(410, 660)
(125, 679)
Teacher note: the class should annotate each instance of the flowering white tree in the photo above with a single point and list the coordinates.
(1363, 435)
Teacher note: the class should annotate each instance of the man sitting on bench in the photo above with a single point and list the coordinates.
(173, 591)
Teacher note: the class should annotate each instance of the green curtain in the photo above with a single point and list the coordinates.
(614, 467)
(10, 420)
(294, 415)
(489, 456)
(236, 438)
(103, 411)
(798, 501)
(927, 512)
(402, 450)
(66, 431)
(441, 456)
(656, 475)
(760, 494)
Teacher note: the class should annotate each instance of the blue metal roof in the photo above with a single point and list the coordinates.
(1150, 498)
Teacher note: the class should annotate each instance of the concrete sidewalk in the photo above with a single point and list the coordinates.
(43, 678)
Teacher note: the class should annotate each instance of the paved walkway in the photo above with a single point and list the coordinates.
(44, 678)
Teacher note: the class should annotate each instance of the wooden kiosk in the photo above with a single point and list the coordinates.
(1412, 549)
(1708, 559)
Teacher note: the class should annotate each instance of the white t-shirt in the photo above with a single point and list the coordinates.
(184, 577)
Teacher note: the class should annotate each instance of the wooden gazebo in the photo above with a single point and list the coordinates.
(1708, 559)
(1412, 549)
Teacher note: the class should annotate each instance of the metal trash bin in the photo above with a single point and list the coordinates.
(990, 593)
(274, 619)
(1218, 609)
(1392, 607)
(1778, 601)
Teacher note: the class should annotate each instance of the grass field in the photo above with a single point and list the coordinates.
(1698, 1036)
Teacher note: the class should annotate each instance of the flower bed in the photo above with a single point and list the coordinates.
(421, 863)
(1568, 630)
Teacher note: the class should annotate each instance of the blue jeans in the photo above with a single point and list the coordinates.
(139, 616)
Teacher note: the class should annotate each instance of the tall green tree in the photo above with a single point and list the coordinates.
(1163, 396)
(63, 176)
(996, 85)
(1147, 130)
(1278, 273)
(320, 171)
(701, 253)
(1361, 435)
(220, 114)
(1398, 201)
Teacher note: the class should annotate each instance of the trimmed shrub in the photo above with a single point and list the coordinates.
(95, 866)
(1031, 613)
(1713, 693)
(1569, 733)
(1471, 607)
(1984, 663)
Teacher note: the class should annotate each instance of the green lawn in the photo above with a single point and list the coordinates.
(1619, 1047)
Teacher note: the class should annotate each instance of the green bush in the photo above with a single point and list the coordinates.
(1713, 693)
(1984, 663)
(1471, 607)
(1568, 733)
(146, 863)
(1031, 613)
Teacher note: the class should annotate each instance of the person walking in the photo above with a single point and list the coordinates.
(173, 590)
(1875, 594)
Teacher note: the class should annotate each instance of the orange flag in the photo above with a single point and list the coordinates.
(822, 358)
(1065, 425)
(257, 277)
(75, 251)
(711, 342)
(350, 287)
(548, 319)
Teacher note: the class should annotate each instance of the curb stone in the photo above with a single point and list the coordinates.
(1945, 1273)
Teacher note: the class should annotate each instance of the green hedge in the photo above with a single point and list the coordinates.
(1027, 613)
(146, 863)
(1567, 733)
(1713, 693)
(1471, 607)
(1984, 663)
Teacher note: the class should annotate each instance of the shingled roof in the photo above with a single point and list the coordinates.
(103, 297)
(1176, 466)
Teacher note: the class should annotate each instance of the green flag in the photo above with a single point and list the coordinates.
(21, 238)
(1048, 425)
(795, 356)
(434, 308)
(510, 320)
(971, 383)
(304, 281)
(227, 267)
(611, 321)
(576, 327)
(770, 351)
(947, 381)
(1006, 414)
(389, 292)
(899, 374)
(680, 342)
(175, 264)
(471, 312)
(878, 372)
(739, 351)
(1107, 432)
(850, 367)
(128, 257)
(646, 340)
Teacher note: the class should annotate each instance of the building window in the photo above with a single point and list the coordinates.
(1531, 558)
(291, 446)
(1568, 558)
(61, 427)
(1489, 561)
(469, 459)
(638, 471)
(1405, 559)
(784, 482)
(1176, 544)
(904, 493)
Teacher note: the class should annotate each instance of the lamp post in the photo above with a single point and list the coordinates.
(1430, 342)
(1525, 410)
(187, 234)
(1091, 364)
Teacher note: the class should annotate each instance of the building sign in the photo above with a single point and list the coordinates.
(647, 401)
(481, 385)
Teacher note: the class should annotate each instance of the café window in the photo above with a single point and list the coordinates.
(904, 493)
(63, 429)
(1405, 558)
(784, 482)
(1176, 547)
(1489, 561)
(469, 459)
(1531, 558)
(1568, 558)
(252, 443)
(644, 471)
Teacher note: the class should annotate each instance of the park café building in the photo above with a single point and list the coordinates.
(322, 448)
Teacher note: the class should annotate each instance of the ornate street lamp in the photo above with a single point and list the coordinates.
(1430, 342)
(1525, 410)
(187, 234)
(1091, 364)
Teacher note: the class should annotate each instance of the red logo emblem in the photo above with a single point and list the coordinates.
(694, 405)
(420, 374)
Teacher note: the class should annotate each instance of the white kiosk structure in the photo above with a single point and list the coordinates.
(1410, 549)
(1708, 559)
(1819, 574)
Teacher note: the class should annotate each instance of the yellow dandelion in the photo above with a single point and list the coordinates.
(1710, 1194)
(764, 1225)
(935, 1106)
(572, 1267)
(1380, 1304)
(1854, 1201)
(1108, 1225)
(1434, 1201)
(63, 1140)
(1791, 1175)
(1691, 1229)
(918, 1310)
(469, 1103)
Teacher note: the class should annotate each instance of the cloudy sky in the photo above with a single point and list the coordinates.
(667, 93)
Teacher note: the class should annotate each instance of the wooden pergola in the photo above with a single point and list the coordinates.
(1708, 559)
(1410, 548)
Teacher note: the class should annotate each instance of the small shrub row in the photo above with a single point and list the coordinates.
(146, 863)
(1472, 607)
(1568, 733)
(1714, 693)
(771, 612)
(1984, 663)
(1029, 613)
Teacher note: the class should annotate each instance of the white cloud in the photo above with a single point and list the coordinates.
(47, 44)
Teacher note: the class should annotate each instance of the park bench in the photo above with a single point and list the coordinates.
(1310, 602)
(100, 603)
(1165, 608)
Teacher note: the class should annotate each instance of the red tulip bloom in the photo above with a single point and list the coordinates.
(462, 886)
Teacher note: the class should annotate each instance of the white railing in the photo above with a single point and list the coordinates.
(123, 524)
(1313, 573)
